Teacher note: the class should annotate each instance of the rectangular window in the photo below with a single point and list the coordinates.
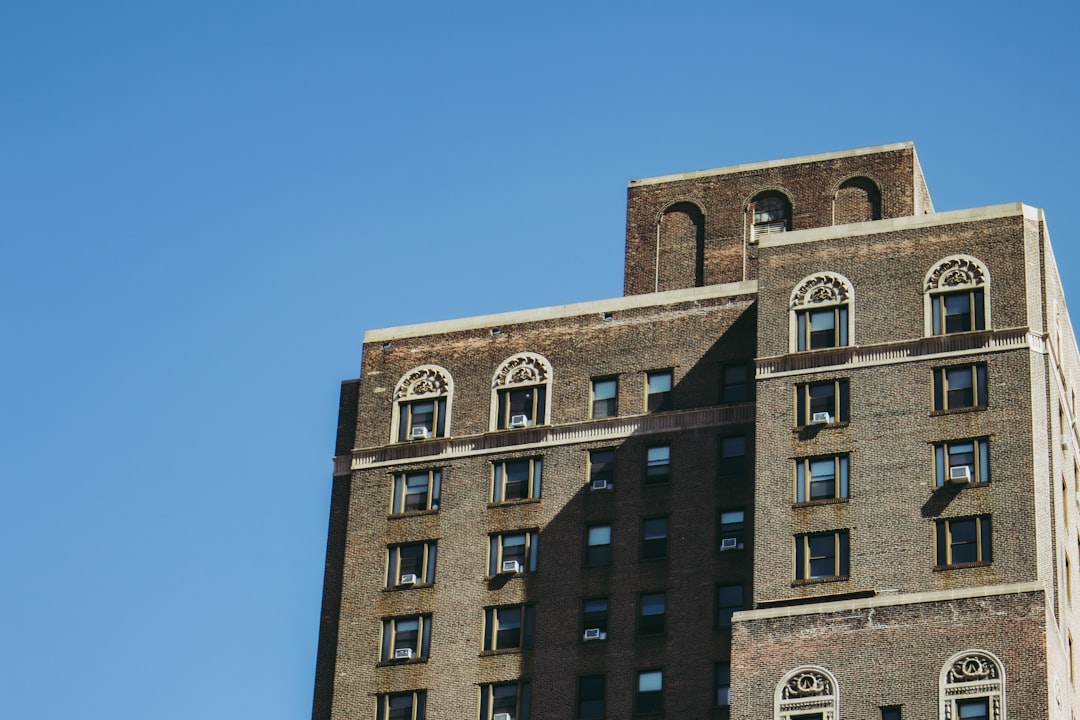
(513, 552)
(658, 397)
(650, 692)
(729, 599)
(977, 709)
(722, 673)
(651, 614)
(890, 712)
(406, 638)
(516, 480)
(509, 628)
(822, 478)
(401, 706)
(412, 564)
(594, 616)
(732, 460)
(422, 419)
(962, 461)
(505, 700)
(958, 311)
(822, 328)
(605, 397)
(416, 491)
(960, 386)
(598, 545)
(591, 703)
(654, 538)
(732, 529)
(963, 541)
(522, 407)
(821, 555)
(601, 469)
(734, 384)
(657, 464)
(821, 403)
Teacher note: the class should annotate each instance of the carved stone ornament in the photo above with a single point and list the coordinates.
(807, 684)
(521, 370)
(972, 668)
(821, 289)
(422, 382)
(957, 272)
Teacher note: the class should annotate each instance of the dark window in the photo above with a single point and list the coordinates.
(821, 555)
(654, 538)
(594, 614)
(412, 564)
(650, 692)
(601, 469)
(822, 328)
(962, 461)
(401, 706)
(890, 712)
(821, 402)
(732, 529)
(977, 709)
(734, 383)
(598, 545)
(963, 541)
(722, 672)
(651, 614)
(591, 704)
(823, 478)
(406, 638)
(771, 214)
(509, 628)
(605, 394)
(522, 407)
(658, 398)
(416, 491)
(732, 459)
(422, 419)
(516, 480)
(657, 464)
(959, 311)
(513, 699)
(513, 552)
(960, 386)
(729, 599)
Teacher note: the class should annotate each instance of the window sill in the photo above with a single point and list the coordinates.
(820, 580)
(401, 588)
(512, 503)
(820, 426)
(961, 486)
(412, 513)
(507, 576)
(392, 663)
(502, 651)
(820, 501)
(955, 411)
(962, 566)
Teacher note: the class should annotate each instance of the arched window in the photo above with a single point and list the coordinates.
(680, 251)
(857, 199)
(956, 293)
(770, 212)
(422, 404)
(807, 693)
(822, 312)
(972, 687)
(520, 391)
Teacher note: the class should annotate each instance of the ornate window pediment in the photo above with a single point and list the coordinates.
(972, 681)
(822, 312)
(422, 404)
(956, 293)
(521, 389)
(808, 690)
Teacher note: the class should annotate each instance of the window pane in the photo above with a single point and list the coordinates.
(604, 398)
(822, 478)
(657, 464)
(650, 681)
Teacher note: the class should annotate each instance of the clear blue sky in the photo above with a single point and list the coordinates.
(203, 205)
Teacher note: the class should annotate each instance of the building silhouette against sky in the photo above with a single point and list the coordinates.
(818, 462)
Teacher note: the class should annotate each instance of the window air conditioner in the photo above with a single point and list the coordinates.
(820, 418)
(519, 421)
(600, 485)
(403, 654)
(595, 634)
(501, 716)
(729, 544)
(420, 433)
(511, 566)
(960, 474)
(408, 579)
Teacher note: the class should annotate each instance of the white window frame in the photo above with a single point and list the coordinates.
(424, 383)
(822, 291)
(521, 372)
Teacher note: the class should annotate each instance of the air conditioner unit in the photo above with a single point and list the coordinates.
(501, 716)
(519, 421)
(600, 485)
(595, 634)
(960, 474)
(729, 544)
(408, 579)
(403, 654)
(511, 566)
(420, 433)
(820, 418)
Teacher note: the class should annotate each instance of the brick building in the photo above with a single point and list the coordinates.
(818, 462)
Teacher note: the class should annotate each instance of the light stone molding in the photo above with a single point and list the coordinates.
(972, 675)
(423, 382)
(808, 689)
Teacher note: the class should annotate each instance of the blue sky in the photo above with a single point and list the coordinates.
(203, 205)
